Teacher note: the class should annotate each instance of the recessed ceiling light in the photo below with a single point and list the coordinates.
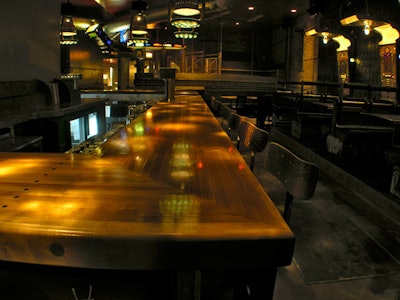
(251, 8)
(237, 23)
(293, 10)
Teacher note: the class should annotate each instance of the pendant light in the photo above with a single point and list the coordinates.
(138, 26)
(186, 16)
(186, 8)
(67, 28)
(186, 34)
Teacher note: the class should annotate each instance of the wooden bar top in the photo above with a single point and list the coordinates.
(170, 191)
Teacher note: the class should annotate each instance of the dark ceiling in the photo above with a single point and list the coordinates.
(269, 13)
(273, 13)
(115, 15)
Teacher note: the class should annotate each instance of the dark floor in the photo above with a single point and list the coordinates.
(339, 253)
(344, 248)
(347, 247)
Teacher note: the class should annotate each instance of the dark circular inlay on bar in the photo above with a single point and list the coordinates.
(57, 249)
(5, 206)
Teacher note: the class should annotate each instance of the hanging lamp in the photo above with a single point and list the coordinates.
(138, 26)
(186, 8)
(186, 34)
(67, 28)
(186, 16)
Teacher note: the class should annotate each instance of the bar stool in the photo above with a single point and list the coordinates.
(253, 138)
(299, 176)
(225, 112)
(216, 106)
(234, 121)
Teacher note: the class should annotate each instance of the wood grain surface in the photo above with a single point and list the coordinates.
(169, 191)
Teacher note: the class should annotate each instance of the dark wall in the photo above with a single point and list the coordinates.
(364, 49)
(30, 40)
(87, 59)
(245, 43)
(367, 64)
(327, 62)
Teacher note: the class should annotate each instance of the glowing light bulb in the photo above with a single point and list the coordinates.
(325, 39)
(367, 29)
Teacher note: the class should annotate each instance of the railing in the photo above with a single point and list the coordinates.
(345, 90)
(200, 63)
(267, 73)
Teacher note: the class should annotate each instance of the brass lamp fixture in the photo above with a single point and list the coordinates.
(361, 21)
(138, 27)
(186, 16)
(326, 36)
(67, 28)
(388, 33)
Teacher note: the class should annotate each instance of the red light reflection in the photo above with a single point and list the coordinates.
(241, 167)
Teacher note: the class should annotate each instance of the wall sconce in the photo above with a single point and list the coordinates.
(311, 32)
(325, 37)
(388, 33)
(362, 21)
(344, 43)
(67, 28)
(367, 27)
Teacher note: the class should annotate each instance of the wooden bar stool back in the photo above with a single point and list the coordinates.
(234, 121)
(217, 108)
(253, 138)
(225, 112)
(299, 176)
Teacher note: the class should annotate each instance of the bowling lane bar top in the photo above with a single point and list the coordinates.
(169, 191)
